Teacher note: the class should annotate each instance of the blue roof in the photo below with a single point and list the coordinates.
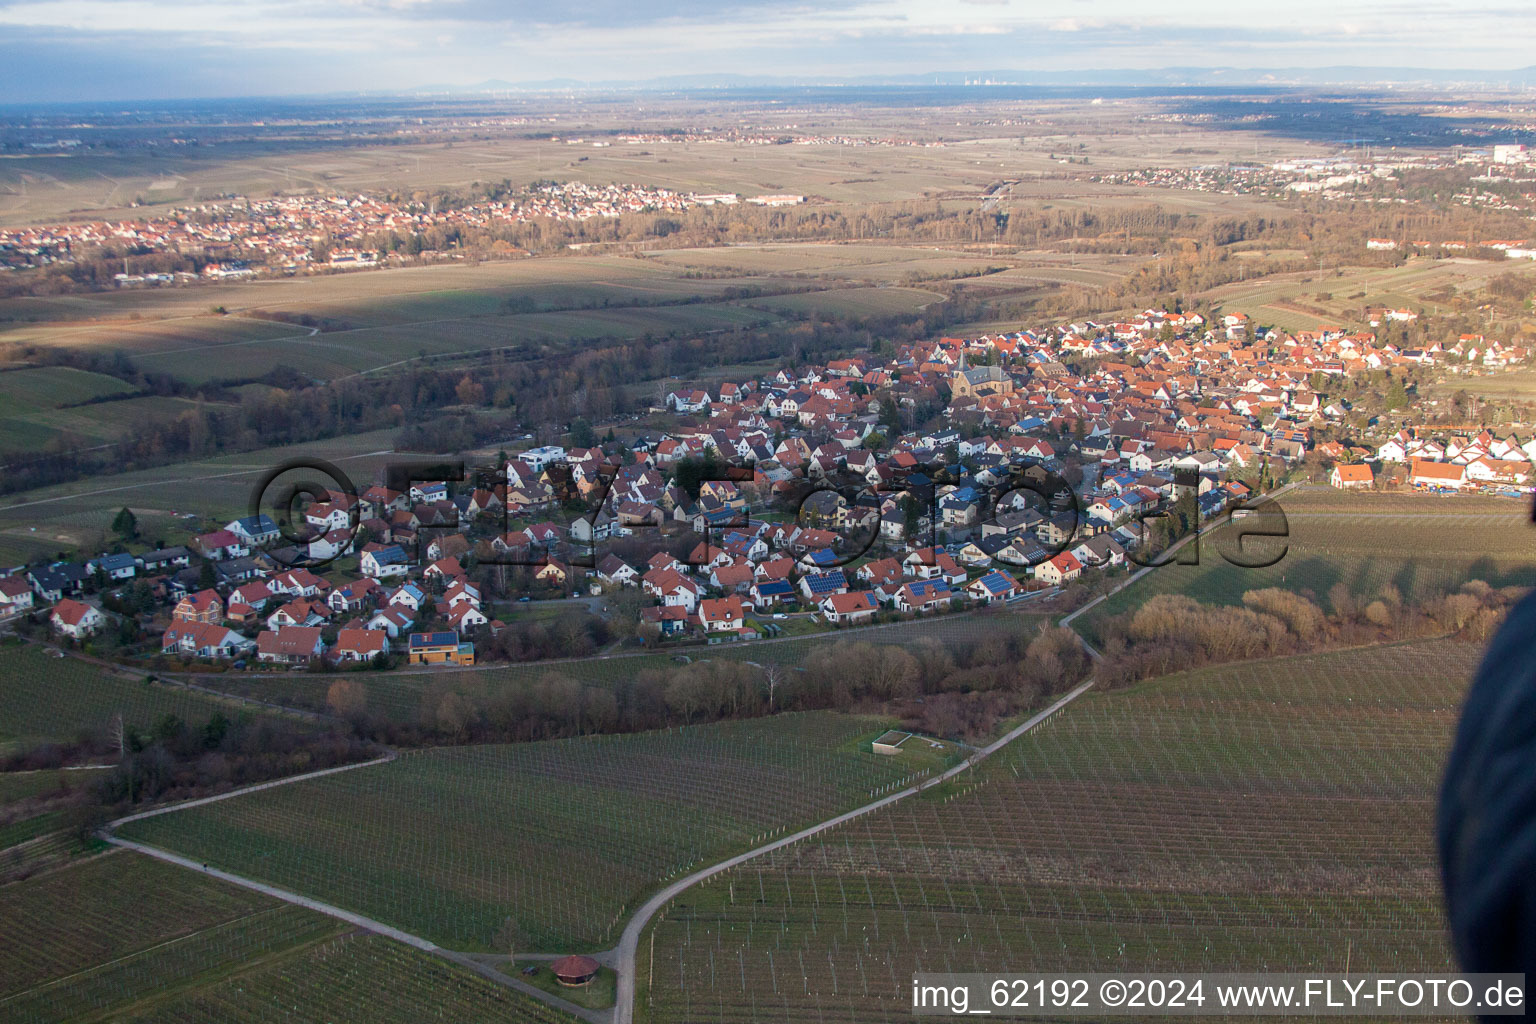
(826, 582)
(257, 524)
(822, 556)
(448, 639)
(775, 587)
(116, 561)
(923, 587)
(997, 582)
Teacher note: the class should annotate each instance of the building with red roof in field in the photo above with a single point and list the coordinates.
(574, 971)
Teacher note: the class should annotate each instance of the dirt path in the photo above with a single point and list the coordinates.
(623, 955)
(357, 920)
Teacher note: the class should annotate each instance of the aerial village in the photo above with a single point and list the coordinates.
(943, 476)
(245, 237)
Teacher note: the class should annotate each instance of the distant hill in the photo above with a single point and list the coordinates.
(1350, 75)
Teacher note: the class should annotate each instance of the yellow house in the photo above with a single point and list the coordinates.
(439, 649)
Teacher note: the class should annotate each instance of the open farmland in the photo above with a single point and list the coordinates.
(357, 977)
(217, 489)
(103, 183)
(55, 699)
(855, 301)
(54, 387)
(1420, 544)
(564, 836)
(1273, 815)
(40, 404)
(1307, 300)
(127, 938)
(365, 321)
(1514, 385)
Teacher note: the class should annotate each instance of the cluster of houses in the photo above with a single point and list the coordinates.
(233, 594)
(280, 231)
(1476, 461)
(966, 508)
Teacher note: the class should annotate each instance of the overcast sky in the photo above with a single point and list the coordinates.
(131, 49)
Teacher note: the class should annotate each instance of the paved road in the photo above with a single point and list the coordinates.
(624, 953)
(472, 963)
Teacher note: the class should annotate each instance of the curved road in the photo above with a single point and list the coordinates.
(624, 953)
(485, 970)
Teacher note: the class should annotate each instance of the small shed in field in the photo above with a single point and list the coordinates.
(890, 742)
(575, 970)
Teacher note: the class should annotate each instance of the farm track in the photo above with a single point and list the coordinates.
(108, 835)
(624, 953)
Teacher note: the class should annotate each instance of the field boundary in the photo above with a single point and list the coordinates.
(107, 834)
(624, 953)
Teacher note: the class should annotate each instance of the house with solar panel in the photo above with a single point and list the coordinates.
(817, 585)
(923, 595)
(442, 648)
(994, 586)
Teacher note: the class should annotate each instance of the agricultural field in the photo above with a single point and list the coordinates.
(1514, 385)
(564, 836)
(56, 699)
(211, 491)
(1420, 544)
(53, 387)
(356, 977)
(29, 433)
(44, 403)
(1307, 300)
(127, 938)
(1271, 815)
(16, 786)
(854, 301)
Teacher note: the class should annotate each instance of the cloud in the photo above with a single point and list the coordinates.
(68, 49)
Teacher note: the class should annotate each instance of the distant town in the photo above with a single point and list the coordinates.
(241, 237)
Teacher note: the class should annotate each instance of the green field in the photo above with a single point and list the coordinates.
(16, 786)
(854, 301)
(57, 699)
(565, 836)
(42, 404)
(1340, 293)
(122, 937)
(1420, 544)
(51, 387)
(215, 490)
(1266, 816)
(376, 320)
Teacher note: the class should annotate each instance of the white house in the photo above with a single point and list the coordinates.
(849, 608)
(76, 619)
